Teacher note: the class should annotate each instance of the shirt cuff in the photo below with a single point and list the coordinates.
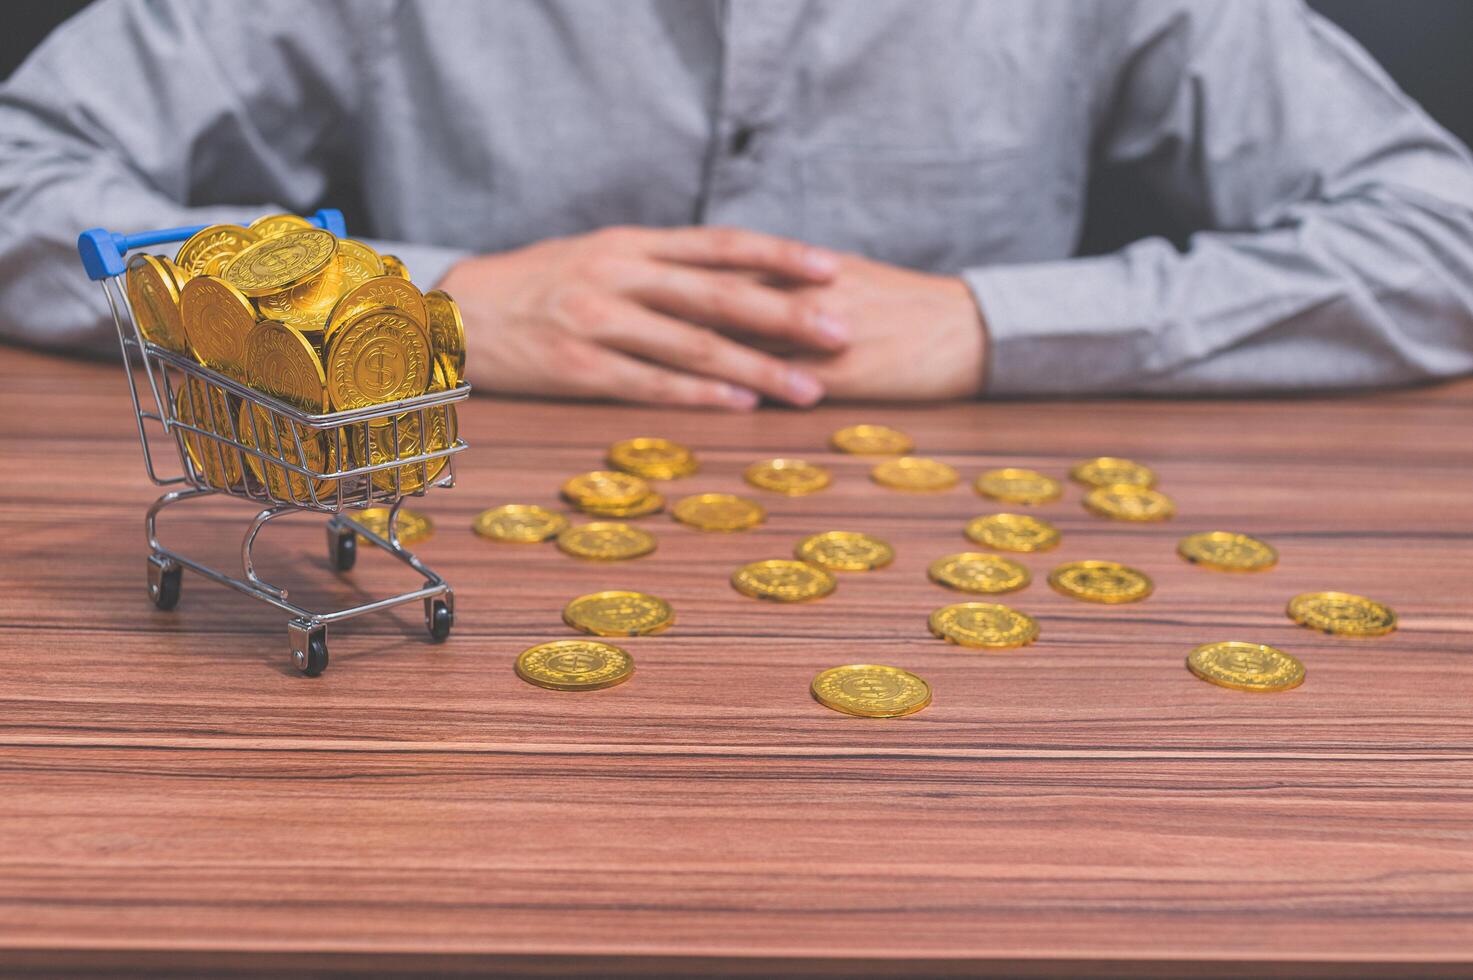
(1069, 327)
(427, 264)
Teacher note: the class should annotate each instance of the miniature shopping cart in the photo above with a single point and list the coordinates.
(236, 441)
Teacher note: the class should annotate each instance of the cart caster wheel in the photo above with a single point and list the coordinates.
(309, 647)
(163, 583)
(438, 619)
(342, 547)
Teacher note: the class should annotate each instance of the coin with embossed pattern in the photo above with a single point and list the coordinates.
(871, 690)
(605, 541)
(1245, 666)
(1013, 532)
(619, 613)
(783, 580)
(575, 665)
(1342, 613)
(378, 356)
(278, 263)
(154, 299)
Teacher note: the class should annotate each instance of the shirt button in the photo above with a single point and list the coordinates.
(741, 140)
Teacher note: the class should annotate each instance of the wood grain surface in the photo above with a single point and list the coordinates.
(175, 797)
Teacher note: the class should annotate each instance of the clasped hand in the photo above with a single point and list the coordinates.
(715, 317)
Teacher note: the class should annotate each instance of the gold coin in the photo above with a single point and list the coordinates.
(306, 305)
(575, 665)
(1013, 532)
(271, 225)
(360, 263)
(871, 691)
(380, 292)
(973, 571)
(1108, 471)
(983, 624)
(916, 474)
(394, 266)
(217, 318)
(652, 503)
(274, 264)
(1228, 551)
(1018, 486)
(384, 447)
(522, 523)
(216, 244)
(1126, 502)
(179, 276)
(259, 427)
(1245, 666)
(783, 580)
(281, 363)
(652, 458)
(872, 440)
(793, 477)
(447, 331)
(618, 613)
(718, 512)
(412, 525)
(207, 408)
(1342, 614)
(154, 298)
(378, 356)
(1100, 581)
(605, 488)
(605, 541)
(845, 551)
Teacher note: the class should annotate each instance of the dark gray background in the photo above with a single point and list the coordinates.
(1424, 44)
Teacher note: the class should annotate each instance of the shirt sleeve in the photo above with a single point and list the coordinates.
(1336, 225)
(134, 114)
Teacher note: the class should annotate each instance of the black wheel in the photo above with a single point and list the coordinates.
(163, 586)
(342, 548)
(314, 661)
(439, 621)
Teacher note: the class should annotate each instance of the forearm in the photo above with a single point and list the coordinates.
(1356, 294)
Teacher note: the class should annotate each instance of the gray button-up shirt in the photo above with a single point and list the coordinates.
(1335, 242)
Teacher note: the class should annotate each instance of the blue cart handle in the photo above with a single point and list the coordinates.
(102, 251)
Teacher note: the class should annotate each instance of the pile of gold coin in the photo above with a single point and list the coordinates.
(318, 322)
(1114, 487)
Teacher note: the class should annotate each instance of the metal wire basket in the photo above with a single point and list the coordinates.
(235, 441)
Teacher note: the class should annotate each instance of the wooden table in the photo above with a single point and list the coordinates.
(173, 795)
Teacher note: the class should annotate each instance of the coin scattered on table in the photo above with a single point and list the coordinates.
(1107, 471)
(718, 512)
(872, 440)
(522, 523)
(650, 503)
(974, 571)
(618, 613)
(1245, 666)
(871, 691)
(793, 477)
(1018, 486)
(1342, 614)
(1127, 502)
(915, 473)
(575, 665)
(1013, 532)
(984, 625)
(1100, 581)
(412, 525)
(605, 541)
(605, 489)
(653, 458)
(783, 580)
(1228, 551)
(845, 551)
